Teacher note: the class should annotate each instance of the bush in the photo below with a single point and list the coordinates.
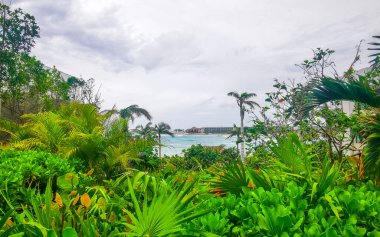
(30, 167)
(20, 169)
(351, 211)
(198, 157)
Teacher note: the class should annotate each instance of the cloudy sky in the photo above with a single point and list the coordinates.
(179, 58)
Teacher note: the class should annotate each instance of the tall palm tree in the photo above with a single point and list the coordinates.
(162, 128)
(360, 90)
(243, 102)
(145, 131)
(134, 111)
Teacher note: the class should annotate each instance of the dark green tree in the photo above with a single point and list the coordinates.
(18, 30)
(26, 85)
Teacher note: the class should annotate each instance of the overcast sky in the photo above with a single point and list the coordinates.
(179, 58)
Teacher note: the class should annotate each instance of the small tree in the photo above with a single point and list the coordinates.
(146, 131)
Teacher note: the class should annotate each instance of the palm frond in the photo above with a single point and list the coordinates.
(376, 56)
(328, 89)
(163, 128)
(251, 103)
(372, 150)
(246, 95)
(234, 94)
(131, 111)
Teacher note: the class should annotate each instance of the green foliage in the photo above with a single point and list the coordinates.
(347, 211)
(32, 167)
(75, 130)
(361, 91)
(18, 30)
(20, 169)
(198, 157)
(26, 86)
(288, 187)
(144, 154)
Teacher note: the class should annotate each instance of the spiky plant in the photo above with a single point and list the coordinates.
(291, 156)
(164, 215)
(232, 179)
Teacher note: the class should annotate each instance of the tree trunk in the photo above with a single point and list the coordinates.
(331, 154)
(242, 135)
(159, 145)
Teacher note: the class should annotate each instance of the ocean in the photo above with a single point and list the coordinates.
(175, 145)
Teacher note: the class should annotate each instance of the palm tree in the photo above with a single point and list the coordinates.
(145, 131)
(360, 90)
(243, 102)
(162, 128)
(235, 132)
(134, 111)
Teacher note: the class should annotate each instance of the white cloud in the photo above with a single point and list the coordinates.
(180, 58)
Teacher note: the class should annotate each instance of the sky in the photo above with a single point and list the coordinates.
(178, 58)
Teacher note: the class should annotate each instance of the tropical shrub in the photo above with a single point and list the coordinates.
(75, 130)
(198, 156)
(340, 212)
(143, 154)
(20, 169)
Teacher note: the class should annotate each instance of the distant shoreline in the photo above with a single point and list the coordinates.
(222, 134)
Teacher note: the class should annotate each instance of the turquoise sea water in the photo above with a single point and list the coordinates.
(175, 145)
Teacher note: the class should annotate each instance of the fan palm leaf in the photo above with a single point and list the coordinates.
(233, 179)
(164, 215)
(291, 155)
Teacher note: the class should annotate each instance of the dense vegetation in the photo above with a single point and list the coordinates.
(69, 169)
